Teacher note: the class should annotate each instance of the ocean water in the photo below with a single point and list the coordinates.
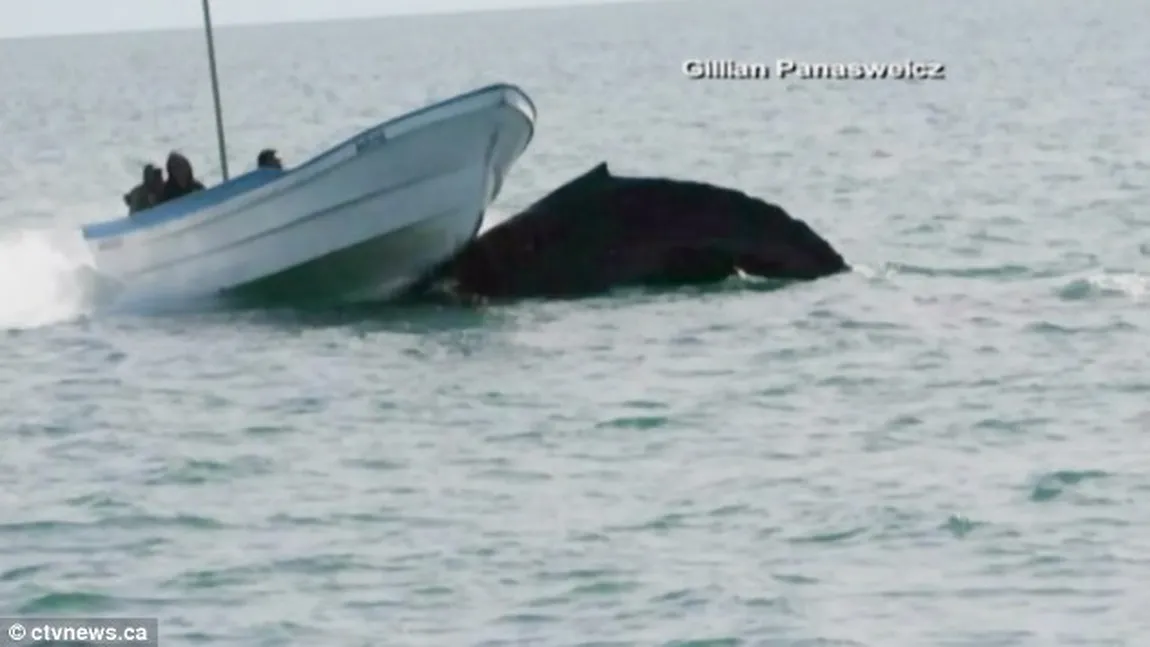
(943, 447)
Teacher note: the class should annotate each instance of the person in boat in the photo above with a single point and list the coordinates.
(181, 179)
(148, 193)
(268, 159)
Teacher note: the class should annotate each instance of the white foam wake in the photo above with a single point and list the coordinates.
(1135, 286)
(46, 277)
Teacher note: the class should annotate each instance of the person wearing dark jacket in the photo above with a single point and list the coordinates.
(148, 193)
(268, 159)
(181, 179)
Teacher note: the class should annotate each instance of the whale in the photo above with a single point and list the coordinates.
(601, 231)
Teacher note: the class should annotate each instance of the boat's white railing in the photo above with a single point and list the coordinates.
(216, 90)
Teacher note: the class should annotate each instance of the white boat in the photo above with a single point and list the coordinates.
(364, 220)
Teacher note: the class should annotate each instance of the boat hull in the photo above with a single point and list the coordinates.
(377, 269)
(364, 221)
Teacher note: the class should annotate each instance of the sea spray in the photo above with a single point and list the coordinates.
(46, 277)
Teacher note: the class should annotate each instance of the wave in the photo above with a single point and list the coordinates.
(46, 277)
(1115, 284)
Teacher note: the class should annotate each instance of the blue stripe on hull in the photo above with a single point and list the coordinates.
(184, 206)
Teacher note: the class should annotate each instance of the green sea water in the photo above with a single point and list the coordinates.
(943, 447)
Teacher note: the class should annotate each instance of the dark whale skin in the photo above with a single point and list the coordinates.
(600, 231)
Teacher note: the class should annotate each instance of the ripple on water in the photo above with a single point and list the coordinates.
(1055, 484)
(1133, 286)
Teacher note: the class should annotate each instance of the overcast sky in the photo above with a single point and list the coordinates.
(35, 17)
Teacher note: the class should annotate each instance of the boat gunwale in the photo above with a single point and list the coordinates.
(182, 214)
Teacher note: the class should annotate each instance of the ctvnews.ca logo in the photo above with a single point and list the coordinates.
(138, 632)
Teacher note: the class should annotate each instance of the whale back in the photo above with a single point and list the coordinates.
(506, 253)
(561, 199)
(552, 215)
(761, 237)
(600, 230)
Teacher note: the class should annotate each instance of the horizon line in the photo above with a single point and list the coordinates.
(402, 13)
